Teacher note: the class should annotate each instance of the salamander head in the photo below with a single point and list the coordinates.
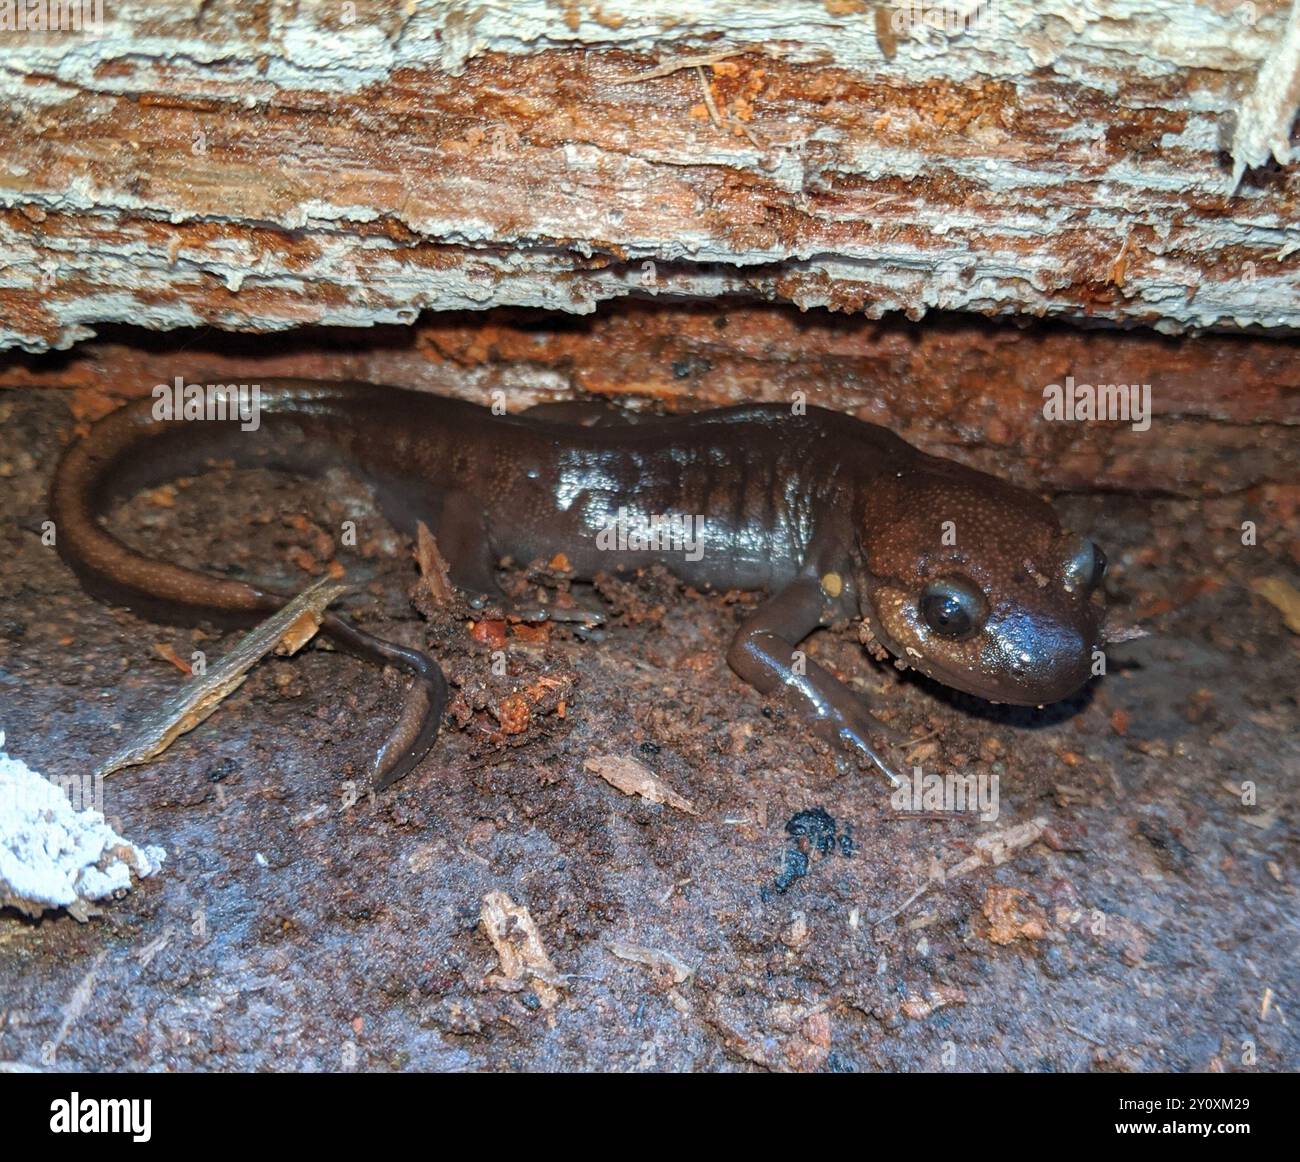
(973, 581)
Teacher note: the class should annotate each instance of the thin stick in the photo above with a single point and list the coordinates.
(675, 66)
(709, 103)
(293, 625)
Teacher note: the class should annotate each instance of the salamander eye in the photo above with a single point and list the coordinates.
(953, 607)
(1085, 566)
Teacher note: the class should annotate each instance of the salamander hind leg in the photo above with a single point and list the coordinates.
(462, 536)
(765, 654)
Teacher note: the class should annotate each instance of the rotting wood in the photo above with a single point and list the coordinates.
(1223, 407)
(355, 164)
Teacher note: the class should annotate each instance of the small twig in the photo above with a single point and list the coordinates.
(675, 66)
(723, 123)
(1081, 1033)
(709, 102)
(916, 895)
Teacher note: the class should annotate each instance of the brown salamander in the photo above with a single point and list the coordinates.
(956, 573)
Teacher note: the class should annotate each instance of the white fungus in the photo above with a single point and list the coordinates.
(54, 855)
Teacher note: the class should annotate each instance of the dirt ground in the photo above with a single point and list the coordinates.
(1146, 921)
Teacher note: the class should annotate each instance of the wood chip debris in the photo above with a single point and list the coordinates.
(1012, 915)
(433, 566)
(990, 850)
(918, 1005)
(285, 632)
(519, 948)
(653, 958)
(1283, 596)
(635, 778)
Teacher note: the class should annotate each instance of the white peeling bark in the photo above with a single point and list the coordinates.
(267, 166)
(1268, 112)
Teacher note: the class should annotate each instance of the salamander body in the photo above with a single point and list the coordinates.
(967, 578)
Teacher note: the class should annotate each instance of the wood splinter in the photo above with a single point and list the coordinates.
(284, 632)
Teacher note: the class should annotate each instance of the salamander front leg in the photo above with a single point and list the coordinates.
(765, 653)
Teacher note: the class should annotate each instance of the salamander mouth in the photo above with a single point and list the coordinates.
(1020, 659)
(1002, 687)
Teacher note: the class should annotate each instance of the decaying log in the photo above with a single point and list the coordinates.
(261, 167)
(1223, 408)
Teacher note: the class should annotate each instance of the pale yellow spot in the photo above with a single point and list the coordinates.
(832, 585)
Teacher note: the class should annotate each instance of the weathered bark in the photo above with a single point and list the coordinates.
(265, 166)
